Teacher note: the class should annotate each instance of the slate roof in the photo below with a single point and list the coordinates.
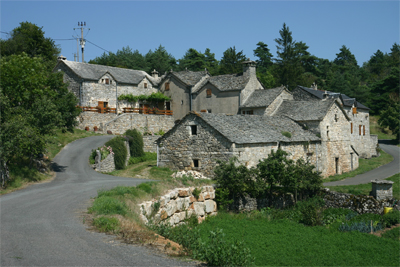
(262, 98)
(228, 82)
(248, 129)
(95, 72)
(305, 110)
(190, 77)
(347, 101)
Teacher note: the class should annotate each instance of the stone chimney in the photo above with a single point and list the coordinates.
(249, 68)
(61, 57)
(154, 74)
(314, 86)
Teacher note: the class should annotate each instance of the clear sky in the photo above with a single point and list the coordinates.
(363, 26)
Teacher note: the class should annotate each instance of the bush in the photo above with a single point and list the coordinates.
(363, 227)
(310, 210)
(391, 218)
(106, 224)
(392, 234)
(147, 157)
(146, 187)
(118, 147)
(334, 215)
(107, 205)
(135, 143)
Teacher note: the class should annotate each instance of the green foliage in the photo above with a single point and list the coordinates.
(124, 58)
(391, 218)
(362, 227)
(196, 192)
(160, 60)
(287, 134)
(118, 191)
(231, 61)
(135, 143)
(192, 60)
(120, 153)
(107, 206)
(146, 187)
(222, 198)
(153, 97)
(393, 234)
(148, 156)
(106, 224)
(390, 117)
(311, 211)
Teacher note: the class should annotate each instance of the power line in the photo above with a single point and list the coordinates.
(97, 46)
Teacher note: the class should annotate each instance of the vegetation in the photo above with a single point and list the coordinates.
(365, 189)
(154, 97)
(135, 143)
(120, 153)
(365, 165)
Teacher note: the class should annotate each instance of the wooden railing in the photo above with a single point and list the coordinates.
(148, 111)
(128, 110)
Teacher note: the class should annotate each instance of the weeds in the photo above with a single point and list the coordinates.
(106, 224)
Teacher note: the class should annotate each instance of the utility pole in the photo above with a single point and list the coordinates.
(81, 41)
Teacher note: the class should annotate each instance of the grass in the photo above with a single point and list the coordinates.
(365, 165)
(383, 133)
(393, 234)
(364, 189)
(106, 224)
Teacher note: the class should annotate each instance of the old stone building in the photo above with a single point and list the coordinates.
(199, 140)
(360, 137)
(201, 92)
(97, 85)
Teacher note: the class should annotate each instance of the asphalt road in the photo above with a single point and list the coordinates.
(41, 224)
(380, 173)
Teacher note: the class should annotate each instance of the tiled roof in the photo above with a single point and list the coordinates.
(226, 82)
(262, 98)
(95, 72)
(247, 129)
(190, 77)
(347, 101)
(305, 110)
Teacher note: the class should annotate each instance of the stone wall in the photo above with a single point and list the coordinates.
(179, 204)
(119, 124)
(361, 204)
(106, 165)
(180, 150)
(382, 189)
(149, 143)
(247, 203)
(277, 102)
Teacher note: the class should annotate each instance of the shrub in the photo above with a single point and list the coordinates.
(334, 215)
(135, 143)
(391, 218)
(363, 227)
(146, 187)
(147, 157)
(118, 147)
(107, 205)
(310, 210)
(222, 198)
(106, 224)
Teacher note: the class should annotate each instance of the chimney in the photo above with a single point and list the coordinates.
(249, 68)
(154, 74)
(61, 57)
(314, 86)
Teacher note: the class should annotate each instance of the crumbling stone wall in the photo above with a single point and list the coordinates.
(179, 204)
(149, 143)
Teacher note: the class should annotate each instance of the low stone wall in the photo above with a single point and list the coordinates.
(361, 204)
(91, 119)
(179, 204)
(247, 203)
(106, 165)
(149, 144)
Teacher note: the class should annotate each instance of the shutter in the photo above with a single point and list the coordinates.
(351, 127)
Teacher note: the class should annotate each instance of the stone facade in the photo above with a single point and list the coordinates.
(106, 165)
(149, 143)
(179, 204)
(382, 189)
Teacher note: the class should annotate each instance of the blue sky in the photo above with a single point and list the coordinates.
(363, 26)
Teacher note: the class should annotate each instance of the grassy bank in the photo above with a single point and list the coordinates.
(365, 165)
(375, 128)
(364, 189)
(23, 173)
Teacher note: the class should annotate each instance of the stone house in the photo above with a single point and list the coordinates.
(201, 92)
(360, 137)
(199, 140)
(98, 85)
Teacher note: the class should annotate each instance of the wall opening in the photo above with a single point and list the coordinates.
(196, 163)
(193, 129)
(337, 165)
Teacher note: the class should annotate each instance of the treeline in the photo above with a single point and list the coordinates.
(34, 101)
(375, 83)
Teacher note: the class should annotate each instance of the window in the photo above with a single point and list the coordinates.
(337, 165)
(209, 93)
(248, 112)
(359, 129)
(193, 129)
(168, 105)
(203, 110)
(208, 110)
(145, 85)
(363, 129)
(196, 163)
(351, 127)
(166, 86)
(107, 81)
(354, 110)
(336, 118)
(327, 132)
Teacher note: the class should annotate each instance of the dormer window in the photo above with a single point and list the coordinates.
(166, 86)
(107, 81)
(209, 93)
(145, 85)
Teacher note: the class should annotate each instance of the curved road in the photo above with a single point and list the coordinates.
(380, 173)
(41, 224)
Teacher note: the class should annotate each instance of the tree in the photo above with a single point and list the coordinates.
(160, 60)
(124, 58)
(211, 62)
(29, 38)
(231, 61)
(345, 60)
(135, 143)
(192, 60)
(264, 61)
(391, 115)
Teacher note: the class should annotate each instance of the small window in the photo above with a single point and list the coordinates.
(110, 81)
(181, 102)
(336, 118)
(327, 132)
(196, 163)
(209, 93)
(193, 129)
(168, 105)
(359, 129)
(107, 81)
(354, 110)
(208, 110)
(145, 85)
(166, 86)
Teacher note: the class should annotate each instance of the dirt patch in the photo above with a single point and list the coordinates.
(379, 233)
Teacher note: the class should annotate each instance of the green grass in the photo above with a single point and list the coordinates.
(365, 165)
(106, 224)
(375, 128)
(393, 234)
(287, 243)
(108, 205)
(364, 189)
(148, 156)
